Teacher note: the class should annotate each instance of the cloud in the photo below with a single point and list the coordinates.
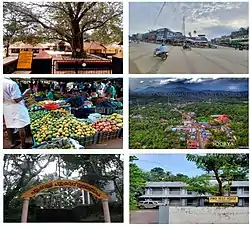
(211, 18)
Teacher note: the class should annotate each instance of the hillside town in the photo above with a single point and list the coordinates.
(197, 133)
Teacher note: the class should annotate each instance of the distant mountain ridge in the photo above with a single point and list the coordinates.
(151, 90)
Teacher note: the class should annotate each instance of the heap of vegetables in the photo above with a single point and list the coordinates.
(58, 124)
(117, 118)
(34, 107)
(105, 126)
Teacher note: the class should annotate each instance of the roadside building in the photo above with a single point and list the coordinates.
(93, 47)
(15, 48)
(152, 36)
(223, 118)
(175, 193)
(192, 144)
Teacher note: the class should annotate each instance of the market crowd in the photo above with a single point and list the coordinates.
(77, 94)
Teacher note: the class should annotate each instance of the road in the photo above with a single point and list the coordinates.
(222, 60)
(144, 217)
(201, 145)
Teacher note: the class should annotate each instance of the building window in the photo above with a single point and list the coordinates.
(189, 192)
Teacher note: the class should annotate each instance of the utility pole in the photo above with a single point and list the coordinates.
(183, 26)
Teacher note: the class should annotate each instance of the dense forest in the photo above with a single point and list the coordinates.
(152, 118)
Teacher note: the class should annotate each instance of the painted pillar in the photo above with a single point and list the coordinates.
(239, 191)
(183, 202)
(89, 202)
(105, 206)
(83, 197)
(25, 210)
(240, 203)
(202, 202)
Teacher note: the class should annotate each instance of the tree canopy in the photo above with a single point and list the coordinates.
(68, 21)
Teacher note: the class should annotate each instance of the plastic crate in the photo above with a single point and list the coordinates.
(87, 140)
(105, 136)
(120, 133)
(105, 110)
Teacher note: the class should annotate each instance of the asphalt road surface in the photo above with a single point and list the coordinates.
(144, 217)
(222, 60)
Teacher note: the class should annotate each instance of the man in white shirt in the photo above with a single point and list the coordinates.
(16, 115)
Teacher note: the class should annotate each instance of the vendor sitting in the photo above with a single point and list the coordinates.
(110, 91)
(50, 95)
(77, 106)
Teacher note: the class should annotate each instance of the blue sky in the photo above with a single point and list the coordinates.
(210, 18)
(176, 163)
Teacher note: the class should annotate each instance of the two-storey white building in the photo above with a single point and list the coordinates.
(176, 194)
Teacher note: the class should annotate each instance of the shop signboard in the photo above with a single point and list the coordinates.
(223, 199)
(25, 60)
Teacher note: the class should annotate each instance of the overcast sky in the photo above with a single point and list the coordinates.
(213, 83)
(210, 18)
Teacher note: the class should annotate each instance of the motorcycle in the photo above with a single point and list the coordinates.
(186, 48)
(162, 55)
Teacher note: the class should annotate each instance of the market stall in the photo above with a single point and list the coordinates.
(55, 123)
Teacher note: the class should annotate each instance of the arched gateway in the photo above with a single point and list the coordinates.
(65, 184)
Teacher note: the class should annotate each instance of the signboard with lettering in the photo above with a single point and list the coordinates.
(25, 60)
(66, 184)
(223, 199)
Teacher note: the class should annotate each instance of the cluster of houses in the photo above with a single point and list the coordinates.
(192, 130)
(90, 47)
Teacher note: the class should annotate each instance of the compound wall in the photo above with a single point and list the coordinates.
(209, 215)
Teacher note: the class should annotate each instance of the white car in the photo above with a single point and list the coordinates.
(148, 204)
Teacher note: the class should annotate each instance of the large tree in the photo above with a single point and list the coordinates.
(225, 167)
(137, 181)
(201, 185)
(67, 21)
(21, 172)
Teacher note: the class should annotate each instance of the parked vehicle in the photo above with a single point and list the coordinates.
(148, 204)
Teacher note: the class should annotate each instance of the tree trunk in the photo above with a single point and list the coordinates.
(7, 50)
(220, 191)
(77, 42)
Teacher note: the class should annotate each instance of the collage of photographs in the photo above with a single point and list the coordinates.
(124, 112)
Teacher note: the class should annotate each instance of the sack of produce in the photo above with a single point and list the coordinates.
(60, 143)
(95, 117)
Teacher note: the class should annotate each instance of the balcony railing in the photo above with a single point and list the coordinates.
(174, 193)
(158, 193)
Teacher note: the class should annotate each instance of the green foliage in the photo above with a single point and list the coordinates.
(22, 172)
(152, 118)
(111, 32)
(136, 182)
(201, 185)
(225, 167)
(68, 21)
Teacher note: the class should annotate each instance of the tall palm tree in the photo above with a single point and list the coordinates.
(195, 32)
